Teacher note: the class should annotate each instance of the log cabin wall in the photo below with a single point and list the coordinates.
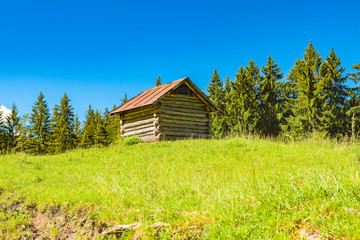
(183, 116)
(171, 111)
(140, 122)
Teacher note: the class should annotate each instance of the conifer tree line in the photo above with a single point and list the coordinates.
(315, 98)
(50, 132)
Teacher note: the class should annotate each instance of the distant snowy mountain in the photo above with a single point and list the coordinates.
(6, 112)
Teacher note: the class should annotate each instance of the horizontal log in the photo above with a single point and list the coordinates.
(183, 99)
(138, 114)
(146, 134)
(135, 128)
(164, 120)
(166, 104)
(137, 110)
(184, 125)
(182, 103)
(182, 109)
(150, 129)
(137, 118)
(138, 123)
(182, 96)
(190, 114)
(186, 118)
(189, 130)
(151, 138)
(184, 134)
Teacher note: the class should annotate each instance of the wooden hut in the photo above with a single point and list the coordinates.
(171, 111)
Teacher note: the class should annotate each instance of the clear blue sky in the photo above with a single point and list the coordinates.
(95, 51)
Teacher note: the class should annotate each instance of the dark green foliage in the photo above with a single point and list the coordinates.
(112, 126)
(355, 76)
(217, 94)
(40, 127)
(77, 131)
(124, 100)
(157, 81)
(63, 126)
(305, 77)
(88, 134)
(271, 98)
(13, 129)
(100, 131)
(242, 108)
(314, 99)
(132, 140)
(334, 94)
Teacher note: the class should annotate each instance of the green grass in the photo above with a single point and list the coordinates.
(241, 188)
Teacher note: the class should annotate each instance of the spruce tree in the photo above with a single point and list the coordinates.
(100, 133)
(271, 98)
(88, 134)
(63, 126)
(13, 128)
(334, 94)
(216, 94)
(355, 76)
(157, 81)
(354, 103)
(111, 125)
(304, 77)
(227, 105)
(3, 137)
(77, 131)
(124, 100)
(243, 109)
(40, 127)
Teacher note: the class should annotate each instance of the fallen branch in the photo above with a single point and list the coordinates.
(126, 228)
(121, 228)
(159, 225)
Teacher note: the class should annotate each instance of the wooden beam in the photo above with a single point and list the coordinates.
(183, 125)
(182, 103)
(140, 109)
(190, 114)
(164, 120)
(186, 118)
(137, 118)
(182, 109)
(130, 129)
(144, 130)
(165, 104)
(150, 138)
(188, 130)
(139, 113)
(199, 95)
(182, 98)
(137, 123)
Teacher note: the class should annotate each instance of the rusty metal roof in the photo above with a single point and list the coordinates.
(148, 97)
(152, 95)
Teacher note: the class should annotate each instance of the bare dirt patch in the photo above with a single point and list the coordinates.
(51, 222)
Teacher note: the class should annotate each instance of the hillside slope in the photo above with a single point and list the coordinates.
(239, 188)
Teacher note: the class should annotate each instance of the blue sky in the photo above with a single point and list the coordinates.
(95, 51)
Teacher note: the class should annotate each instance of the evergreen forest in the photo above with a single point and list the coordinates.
(314, 99)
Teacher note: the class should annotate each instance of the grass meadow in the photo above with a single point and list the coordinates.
(240, 188)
